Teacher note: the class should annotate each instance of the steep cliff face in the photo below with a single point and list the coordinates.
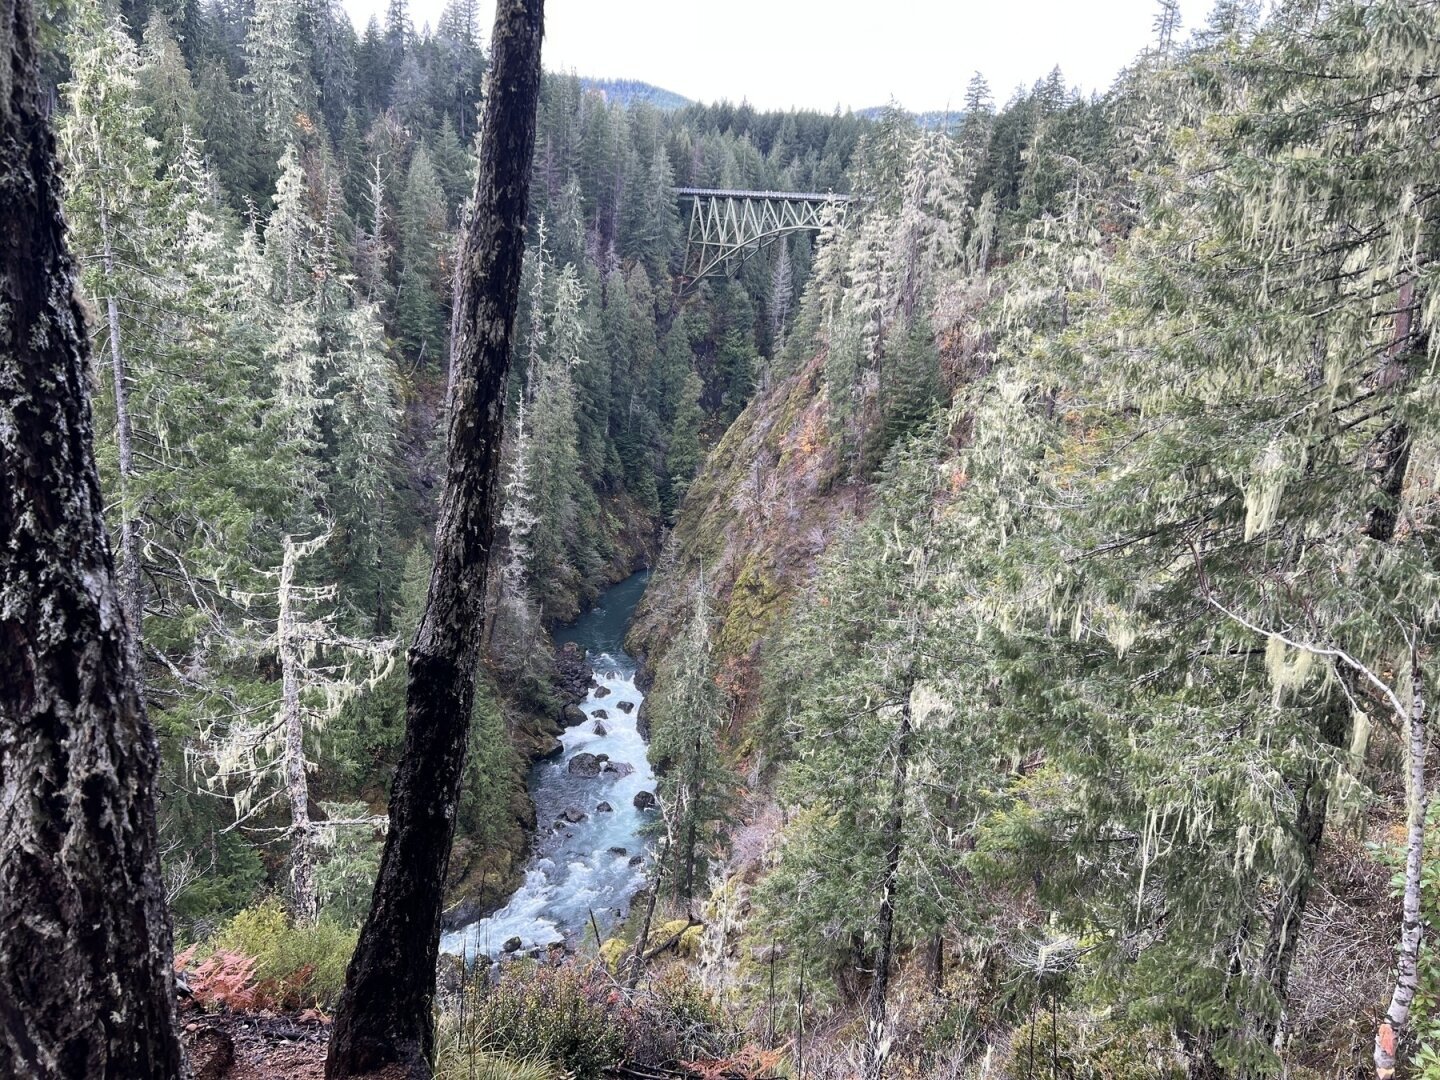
(766, 504)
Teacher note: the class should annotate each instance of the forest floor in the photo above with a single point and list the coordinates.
(255, 1046)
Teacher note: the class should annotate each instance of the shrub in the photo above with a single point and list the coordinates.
(295, 966)
(561, 1015)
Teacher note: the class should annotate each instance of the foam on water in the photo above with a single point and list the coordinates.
(572, 870)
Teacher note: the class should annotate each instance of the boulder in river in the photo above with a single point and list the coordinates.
(625, 706)
(600, 691)
(572, 715)
(637, 860)
(573, 671)
(618, 768)
(618, 851)
(600, 729)
(513, 945)
(587, 765)
(645, 800)
(600, 714)
(604, 808)
(574, 815)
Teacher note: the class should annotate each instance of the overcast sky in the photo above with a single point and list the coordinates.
(822, 53)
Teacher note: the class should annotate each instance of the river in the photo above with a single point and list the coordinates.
(578, 867)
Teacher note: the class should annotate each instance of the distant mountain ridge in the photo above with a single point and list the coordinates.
(628, 92)
(935, 119)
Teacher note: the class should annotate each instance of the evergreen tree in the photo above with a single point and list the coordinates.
(276, 67)
(419, 316)
(685, 744)
(260, 758)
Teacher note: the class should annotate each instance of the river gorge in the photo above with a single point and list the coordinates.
(590, 852)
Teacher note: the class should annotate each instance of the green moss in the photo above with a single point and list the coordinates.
(690, 941)
(613, 952)
(755, 601)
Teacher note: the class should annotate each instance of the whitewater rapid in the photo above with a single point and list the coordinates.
(574, 868)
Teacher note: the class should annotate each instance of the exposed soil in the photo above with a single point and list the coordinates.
(255, 1046)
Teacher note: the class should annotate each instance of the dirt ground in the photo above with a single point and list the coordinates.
(255, 1046)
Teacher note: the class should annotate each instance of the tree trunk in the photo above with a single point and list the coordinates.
(86, 987)
(638, 962)
(1283, 940)
(878, 1045)
(304, 905)
(386, 1012)
(1397, 1016)
(1390, 460)
(129, 569)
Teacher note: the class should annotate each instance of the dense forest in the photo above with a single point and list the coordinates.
(266, 213)
(1042, 612)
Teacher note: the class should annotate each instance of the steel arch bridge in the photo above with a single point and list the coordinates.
(727, 227)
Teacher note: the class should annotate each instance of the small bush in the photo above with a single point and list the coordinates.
(560, 1015)
(296, 967)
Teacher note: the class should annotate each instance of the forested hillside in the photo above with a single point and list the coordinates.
(1067, 596)
(1036, 658)
(267, 210)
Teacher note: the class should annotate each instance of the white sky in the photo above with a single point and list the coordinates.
(852, 53)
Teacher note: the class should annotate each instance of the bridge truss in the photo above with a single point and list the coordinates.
(728, 227)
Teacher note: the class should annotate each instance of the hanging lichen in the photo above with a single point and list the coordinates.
(1289, 668)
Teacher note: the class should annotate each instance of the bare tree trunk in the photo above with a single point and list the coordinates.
(386, 1012)
(304, 905)
(128, 577)
(638, 962)
(1397, 1016)
(878, 1046)
(1284, 937)
(86, 987)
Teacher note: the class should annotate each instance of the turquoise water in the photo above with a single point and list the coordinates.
(575, 869)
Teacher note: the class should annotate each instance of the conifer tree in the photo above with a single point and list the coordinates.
(259, 759)
(114, 162)
(685, 742)
(276, 67)
(420, 322)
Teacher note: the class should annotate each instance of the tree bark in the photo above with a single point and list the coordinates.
(304, 904)
(637, 963)
(386, 1012)
(878, 1045)
(1283, 941)
(128, 574)
(86, 984)
(1397, 1016)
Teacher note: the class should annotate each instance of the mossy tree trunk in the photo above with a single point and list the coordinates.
(386, 1013)
(86, 985)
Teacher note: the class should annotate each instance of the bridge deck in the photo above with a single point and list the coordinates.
(784, 196)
